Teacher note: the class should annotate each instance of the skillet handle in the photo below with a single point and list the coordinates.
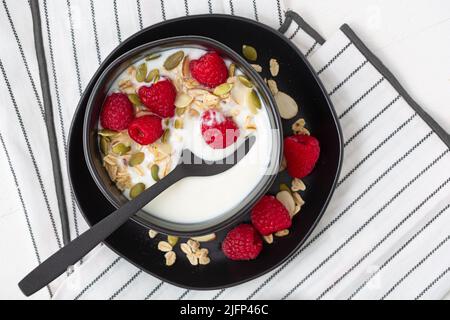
(58, 263)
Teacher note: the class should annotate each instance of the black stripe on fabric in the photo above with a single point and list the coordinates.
(293, 16)
(116, 18)
(183, 295)
(186, 7)
(445, 137)
(94, 29)
(31, 153)
(210, 10)
(387, 235)
(294, 33)
(97, 278)
(373, 151)
(432, 283)
(396, 253)
(60, 112)
(139, 11)
(364, 225)
(163, 10)
(24, 59)
(333, 59)
(255, 10)
(415, 267)
(280, 15)
(231, 8)
(372, 120)
(22, 202)
(342, 213)
(115, 294)
(74, 47)
(361, 98)
(311, 49)
(155, 289)
(218, 294)
(354, 72)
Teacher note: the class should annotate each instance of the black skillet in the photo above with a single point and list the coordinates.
(297, 78)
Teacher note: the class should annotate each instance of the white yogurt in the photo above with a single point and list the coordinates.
(198, 199)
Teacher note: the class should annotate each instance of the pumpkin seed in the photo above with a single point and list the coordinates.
(249, 52)
(282, 233)
(154, 171)
(284, 187)
(232, 70)
(136, 159)
(136, 190)
(165, 136)
(183, 100)
(178, 124)
(185, 69)
(152, 75)
(104, 145)
(134, 98)
(244, 80)
(152, 56)
(172, 240)
(141, 72)
(120, 149)
(222, 89)
(268, 239)
(254, 103)
(180, 111)
(287, 106)
(107, 133)
(173, 60)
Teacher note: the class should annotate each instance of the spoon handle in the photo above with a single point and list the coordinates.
(58, 263)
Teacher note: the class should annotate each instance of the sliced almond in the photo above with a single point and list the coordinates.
(268, 239)
(205, 238)
(185, 248)
(164, 246)
(272, 86)
(298, 185)
(183, 100)
(287, 106)
(192, 259)
(170, 258)
(204, 260)
(282, 233)
(287, 200)
(298, 199)
(257, 67)
(152, 233)
(185, 68)
(195, 245)
(274, 67)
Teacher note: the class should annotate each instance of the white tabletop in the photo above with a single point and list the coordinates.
(411, 37)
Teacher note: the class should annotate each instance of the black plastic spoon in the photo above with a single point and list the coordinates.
(190, 166)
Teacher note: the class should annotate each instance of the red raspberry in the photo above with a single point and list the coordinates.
(146, 129)
(217, 130)
(159, 98)
(242, 243)
(210, 70)
(269, 215)
(117, 112)
(301, 152)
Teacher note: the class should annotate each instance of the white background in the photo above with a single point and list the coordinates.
(411, 37)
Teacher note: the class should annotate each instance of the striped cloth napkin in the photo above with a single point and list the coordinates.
(382, 237)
